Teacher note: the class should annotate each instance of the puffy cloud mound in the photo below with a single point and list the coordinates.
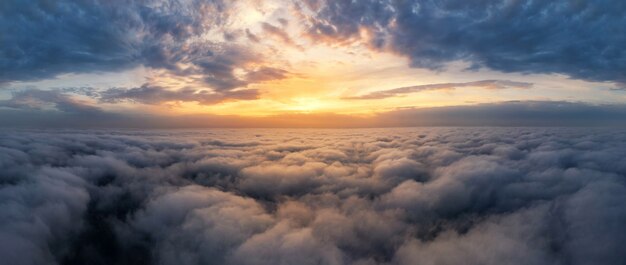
(364, 196)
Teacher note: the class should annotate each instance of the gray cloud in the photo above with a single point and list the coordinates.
(582, 39)
(35, 99)
(266, 73)
(149, 94)
(19, 113)
(43, 39)
(485, 84)
(511, 113)
(268, 196)
(277, 32)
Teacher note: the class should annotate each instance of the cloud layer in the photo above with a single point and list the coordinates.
(371, 196)
(46, 109)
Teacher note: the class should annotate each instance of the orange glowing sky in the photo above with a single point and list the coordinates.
(308, 72)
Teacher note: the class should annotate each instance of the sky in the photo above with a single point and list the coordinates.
(311, 63)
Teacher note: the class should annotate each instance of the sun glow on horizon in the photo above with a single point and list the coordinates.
(266, 58)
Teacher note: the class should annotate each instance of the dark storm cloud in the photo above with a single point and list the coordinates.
(582, 39)
(485, 84)
(370, 196)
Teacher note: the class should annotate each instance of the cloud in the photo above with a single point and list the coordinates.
(251, 36)
(278, 33)
(266, 73)
(485, 84)
(42, 39)
(66, 101)
(578, 39)
(267, 196)
(508, 113)
(198, 225)
(45, 39)
(150, 94)
(36, 99)
(40, 208)
(506, 237)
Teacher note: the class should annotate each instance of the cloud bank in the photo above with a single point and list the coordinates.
(370, 196)
(55, 109)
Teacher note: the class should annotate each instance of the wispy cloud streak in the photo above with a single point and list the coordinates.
(484, 84)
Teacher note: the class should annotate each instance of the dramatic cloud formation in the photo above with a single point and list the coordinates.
(582, 39)
(43, 39)
(427, 196)
(438, 196)
(278, 57)
(486, 84)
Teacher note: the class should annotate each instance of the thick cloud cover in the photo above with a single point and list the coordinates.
(581, 39)
(367, 196)
(44, 39)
